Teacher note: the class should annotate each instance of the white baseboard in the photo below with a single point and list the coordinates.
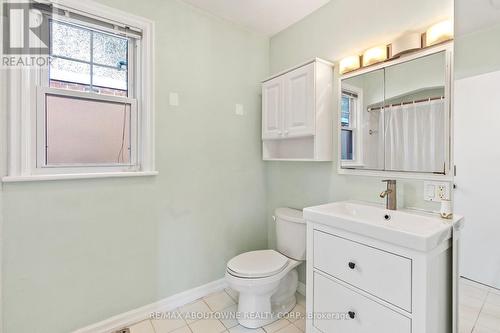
(302, 288)
(170, 303)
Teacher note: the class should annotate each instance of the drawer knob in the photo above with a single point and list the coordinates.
(352, 314)
(352, 265)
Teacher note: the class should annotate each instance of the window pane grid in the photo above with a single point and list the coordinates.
(102, 76)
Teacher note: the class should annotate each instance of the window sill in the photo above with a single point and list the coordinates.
(39, 178)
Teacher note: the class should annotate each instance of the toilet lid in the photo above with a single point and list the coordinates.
(257, 264)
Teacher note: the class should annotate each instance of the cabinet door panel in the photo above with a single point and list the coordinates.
(272, 109)
(299, 102)
(352, 312)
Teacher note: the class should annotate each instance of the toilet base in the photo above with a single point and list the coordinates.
(270, 303)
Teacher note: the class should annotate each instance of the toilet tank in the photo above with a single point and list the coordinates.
(290, 233)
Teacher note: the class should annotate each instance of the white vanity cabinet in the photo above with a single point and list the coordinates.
(359, 282)
(297, 113)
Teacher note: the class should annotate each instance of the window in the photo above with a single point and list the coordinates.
(91, 109)
(88, 112)
(350, 121)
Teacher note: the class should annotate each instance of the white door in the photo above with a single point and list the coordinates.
(477, 157)
(299, 102)
(272, 108)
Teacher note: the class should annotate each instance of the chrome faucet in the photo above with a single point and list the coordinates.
(390, 194)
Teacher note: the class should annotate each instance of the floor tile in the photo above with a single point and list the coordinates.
(489, 321)
(299, 311)
(207, 326)
(480, 329)
(301, 324)
(228, 316)
(184, 329)
(493, 298)
(473, 284)
(485, 330)
(241, 329)
(466, 326)
(194, 311)
(276, 326)
(167, 325)
(233, 293)
(142, 327)
(219, 301)
(290, 329)
(492, 310)
(495, 291)
(477, 291)
(301, 299)
(469, 313)
(471, 302)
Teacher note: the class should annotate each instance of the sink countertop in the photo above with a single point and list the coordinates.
(413, 229)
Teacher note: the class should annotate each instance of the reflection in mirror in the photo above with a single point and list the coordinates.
(415, 115)
(362, 132)
(394, 118)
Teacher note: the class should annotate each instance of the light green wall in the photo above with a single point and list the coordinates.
(77, 252)
(477, 53)
(342, 28)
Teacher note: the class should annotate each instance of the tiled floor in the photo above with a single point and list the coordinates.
(479, 308)
(221, 302)
(479, 313)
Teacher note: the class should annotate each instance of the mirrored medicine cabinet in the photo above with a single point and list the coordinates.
(395, 117)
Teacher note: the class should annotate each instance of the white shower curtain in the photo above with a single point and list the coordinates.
(414, 137)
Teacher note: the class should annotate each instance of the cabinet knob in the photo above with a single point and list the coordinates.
(352, 265)
(280, 133)
(352, 314)
(286, 132)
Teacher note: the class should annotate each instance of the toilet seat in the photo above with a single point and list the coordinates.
(257, 264)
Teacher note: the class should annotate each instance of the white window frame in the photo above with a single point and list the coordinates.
(26, 97)
(357, 133)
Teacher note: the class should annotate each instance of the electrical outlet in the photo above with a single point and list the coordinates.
(436, 191)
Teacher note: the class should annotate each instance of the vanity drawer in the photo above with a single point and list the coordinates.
(382, 274)
(369, 316)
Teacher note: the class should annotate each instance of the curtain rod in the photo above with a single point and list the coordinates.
(406, 103)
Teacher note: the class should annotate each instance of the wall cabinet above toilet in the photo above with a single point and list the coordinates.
(297, 113)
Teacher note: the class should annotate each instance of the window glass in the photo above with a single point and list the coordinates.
(346, 111)
(70, 71)
(70, 41)
(83, 132)
(110, 50)
(347, 144)
(88, 60)
(110, 78)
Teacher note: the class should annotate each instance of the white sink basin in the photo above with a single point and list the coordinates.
(416, 230)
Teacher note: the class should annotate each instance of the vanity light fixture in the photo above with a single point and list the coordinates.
(375, 55)
(407, 43)
(438, 33)
(349, 64)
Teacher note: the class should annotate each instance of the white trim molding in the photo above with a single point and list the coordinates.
(168, 304)
(22, 105)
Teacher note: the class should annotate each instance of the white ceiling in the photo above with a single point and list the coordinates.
(265, 16)
(474, 15)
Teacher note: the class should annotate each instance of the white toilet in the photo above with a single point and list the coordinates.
(267, 280)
